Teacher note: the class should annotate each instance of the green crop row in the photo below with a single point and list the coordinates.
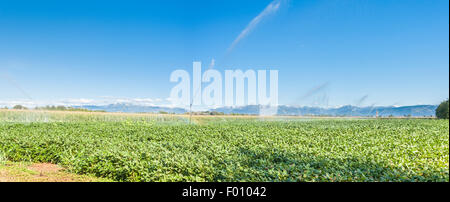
(240, 150)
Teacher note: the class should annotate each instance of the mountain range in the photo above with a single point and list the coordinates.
(348, 110)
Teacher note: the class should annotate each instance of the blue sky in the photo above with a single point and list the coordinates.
(327, 52)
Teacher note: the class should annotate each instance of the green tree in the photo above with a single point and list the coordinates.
(61, 108)
(442, 110)
(19, 107)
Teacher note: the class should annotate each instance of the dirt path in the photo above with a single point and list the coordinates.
(40, 172)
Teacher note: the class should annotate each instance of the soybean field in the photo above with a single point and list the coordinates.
(214, 149)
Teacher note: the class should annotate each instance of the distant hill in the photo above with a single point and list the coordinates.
(348, 110)
(131, 108)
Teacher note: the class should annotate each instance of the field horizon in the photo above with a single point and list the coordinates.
(195, 114)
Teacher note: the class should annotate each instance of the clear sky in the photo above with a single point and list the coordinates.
(328, 52)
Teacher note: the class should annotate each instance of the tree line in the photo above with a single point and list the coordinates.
(54, 108)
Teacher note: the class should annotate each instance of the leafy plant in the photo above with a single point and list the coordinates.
(2, 158)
